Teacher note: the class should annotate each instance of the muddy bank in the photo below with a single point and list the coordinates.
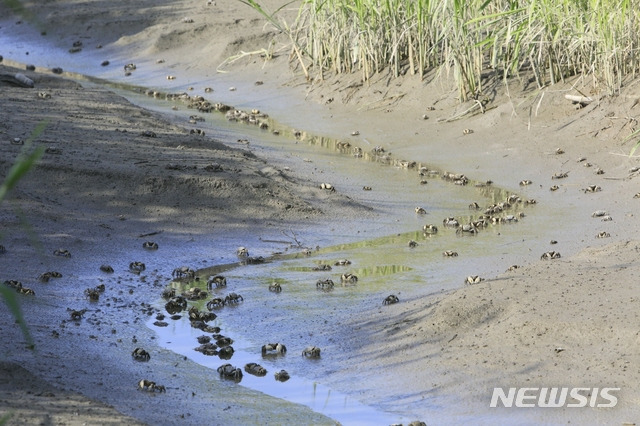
(102, 188)
(474, 339)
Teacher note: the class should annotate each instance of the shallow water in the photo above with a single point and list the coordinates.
(377, 246)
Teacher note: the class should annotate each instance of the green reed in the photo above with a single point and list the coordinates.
(548, 40)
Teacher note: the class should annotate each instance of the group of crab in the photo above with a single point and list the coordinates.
(228, 371)
(327, 284)
(492, 214)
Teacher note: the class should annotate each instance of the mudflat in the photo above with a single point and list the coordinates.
(114, 172)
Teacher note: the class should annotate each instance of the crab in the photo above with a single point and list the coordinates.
(228, 371)
(62, 253)
(168, 293)
(559, 151)
(348, 279)
(217, 281)
(467, 131)
(223, 340)
(550, 255)
(429, 229)
(322, 267)
(196, 315)
(176, 304)
(26, 290)
(273, 349)
(603, 235)
(215, 303)
(130, 67)
(474, 206)
(599, 171)
(254, 260)
(513, 199)
(481, 223)
(342, 262)
(208, 349)
(327, 187)
(473, 279)
(554, 188)
(512, 268)
(560, 175)
(413, 244)
(450, 253)
(510, 218)
(282, 376)
(242, 252)
(48, 275)
(525, 182)
(93, 294)
(592, 188)
(453, 177)
(275, 287)
(467, 229)
(226, 352)
(106, 269)
(148, 385)
(13, 283)
(195, 293)
(233, 299)
(140, 354)
(451, 222)
(311, 352)
(599, 213)
(325, 285)
(255, 369)
(137, 267)
(493, 209)
(150, 245)
(390, 300)
(183, 272)
(366, 188)
(76, 314)
(420, 210)
(203, 339)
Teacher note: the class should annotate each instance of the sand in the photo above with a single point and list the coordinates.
(565, 322)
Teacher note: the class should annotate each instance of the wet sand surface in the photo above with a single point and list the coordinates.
(110, 184)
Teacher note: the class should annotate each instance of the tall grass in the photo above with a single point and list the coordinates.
(547, 40)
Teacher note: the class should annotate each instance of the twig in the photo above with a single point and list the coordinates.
(293, 237)
(274, 241)
(150, 234)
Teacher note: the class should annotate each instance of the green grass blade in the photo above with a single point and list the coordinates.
(11, 300)
(24, 163)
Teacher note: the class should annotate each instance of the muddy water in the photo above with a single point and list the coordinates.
(377, 247)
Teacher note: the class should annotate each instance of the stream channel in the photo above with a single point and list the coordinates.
(377, 245)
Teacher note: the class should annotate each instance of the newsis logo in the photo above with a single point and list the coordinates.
(554, 397)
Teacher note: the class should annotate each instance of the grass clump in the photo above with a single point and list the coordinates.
(546, 40)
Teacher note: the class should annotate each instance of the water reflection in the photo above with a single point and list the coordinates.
(181, 338)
